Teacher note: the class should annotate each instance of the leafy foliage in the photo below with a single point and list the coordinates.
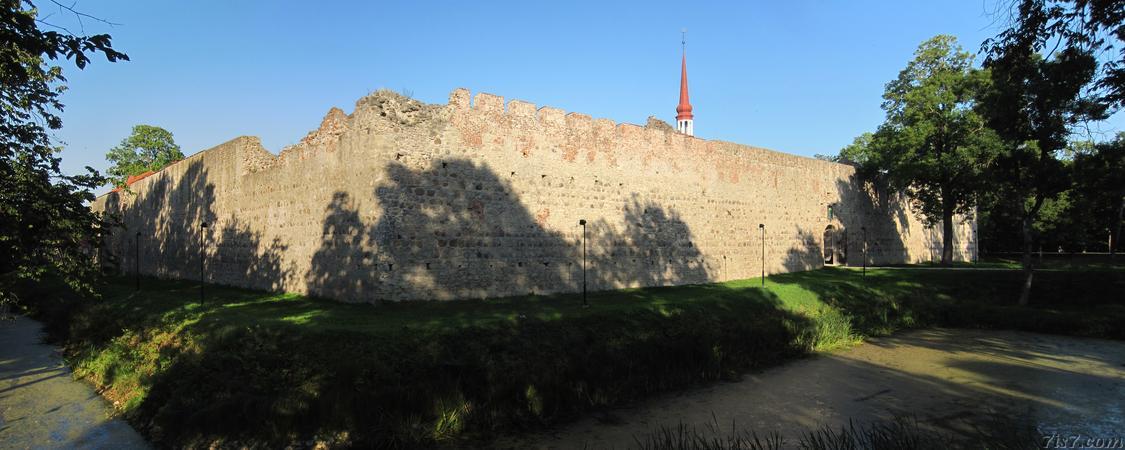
(933, 144)
(147, 148)
(45, 224)
(1033, 103)
(859, 151)
(1099, 191)
(1078, 26)
(1077, 219)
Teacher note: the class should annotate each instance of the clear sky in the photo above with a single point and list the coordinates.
(802, 77)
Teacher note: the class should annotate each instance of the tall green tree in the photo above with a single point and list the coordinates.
(1049, 95)
(1099, 181)
(1033, 103)
(1074, 220)
(147, 148)
(933, 144)
(45, 222)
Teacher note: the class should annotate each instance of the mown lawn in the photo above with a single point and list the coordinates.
(248, 367)
(1045, 261)
(177, 302)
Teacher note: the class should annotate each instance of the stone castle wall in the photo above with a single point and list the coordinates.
(402, 200)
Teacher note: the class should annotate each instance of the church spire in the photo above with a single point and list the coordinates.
(684, 117)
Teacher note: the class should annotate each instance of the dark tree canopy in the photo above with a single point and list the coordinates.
(45, 223)
(1099, 191)
(1033, 104)
(1095, 27)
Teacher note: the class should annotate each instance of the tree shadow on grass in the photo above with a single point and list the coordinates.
(887, 300)
(266, 378)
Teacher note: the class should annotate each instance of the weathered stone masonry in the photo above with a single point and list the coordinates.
(402, 200)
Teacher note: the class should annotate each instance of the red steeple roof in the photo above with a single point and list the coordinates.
(683, 110)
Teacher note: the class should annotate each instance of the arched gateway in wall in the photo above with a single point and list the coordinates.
(835, 249)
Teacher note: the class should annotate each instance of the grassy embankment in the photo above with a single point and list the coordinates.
(253, 367)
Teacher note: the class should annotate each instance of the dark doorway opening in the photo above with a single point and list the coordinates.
(830, 245)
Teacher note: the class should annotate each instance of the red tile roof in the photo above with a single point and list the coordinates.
(133, 179)
(136, 178)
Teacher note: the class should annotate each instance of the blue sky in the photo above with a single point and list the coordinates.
(802, 77)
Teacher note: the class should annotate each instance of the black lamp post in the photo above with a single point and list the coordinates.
(202, 274)
(583, 223)
(137, 260)
(864, 230)
(762, 226)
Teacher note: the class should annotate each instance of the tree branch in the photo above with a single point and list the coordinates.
(81, 14)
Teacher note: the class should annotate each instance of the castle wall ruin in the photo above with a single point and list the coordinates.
(480, 198)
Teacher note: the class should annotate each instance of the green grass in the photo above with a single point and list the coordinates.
(178, 302)
(257, 368)
(1048, 261)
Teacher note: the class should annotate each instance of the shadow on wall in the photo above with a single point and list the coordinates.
(881, 213)
(861, 205)
(161, 224)
(806, 253)
(655, 248)
(887, 218)
(241, 257)
(162, 235)
(454, 229)
(457, 230)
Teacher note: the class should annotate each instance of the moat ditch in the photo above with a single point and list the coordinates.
(956, 382)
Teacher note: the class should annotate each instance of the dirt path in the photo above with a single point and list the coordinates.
(951, 380)
(42, 406)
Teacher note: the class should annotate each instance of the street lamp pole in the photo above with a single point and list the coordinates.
(864, 230)
(137, 260)
(762, 226)
(584, 302)
(202, 274)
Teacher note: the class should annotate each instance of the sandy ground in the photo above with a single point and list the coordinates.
(42, 406)
(950, 380)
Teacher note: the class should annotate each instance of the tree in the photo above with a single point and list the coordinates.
(856, 153)
(1032, 103)
(859, 151)
(1088, 26)
(1074, 220)
(933, 144)
(148, 148)
(1099, 180)
(45, 223)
